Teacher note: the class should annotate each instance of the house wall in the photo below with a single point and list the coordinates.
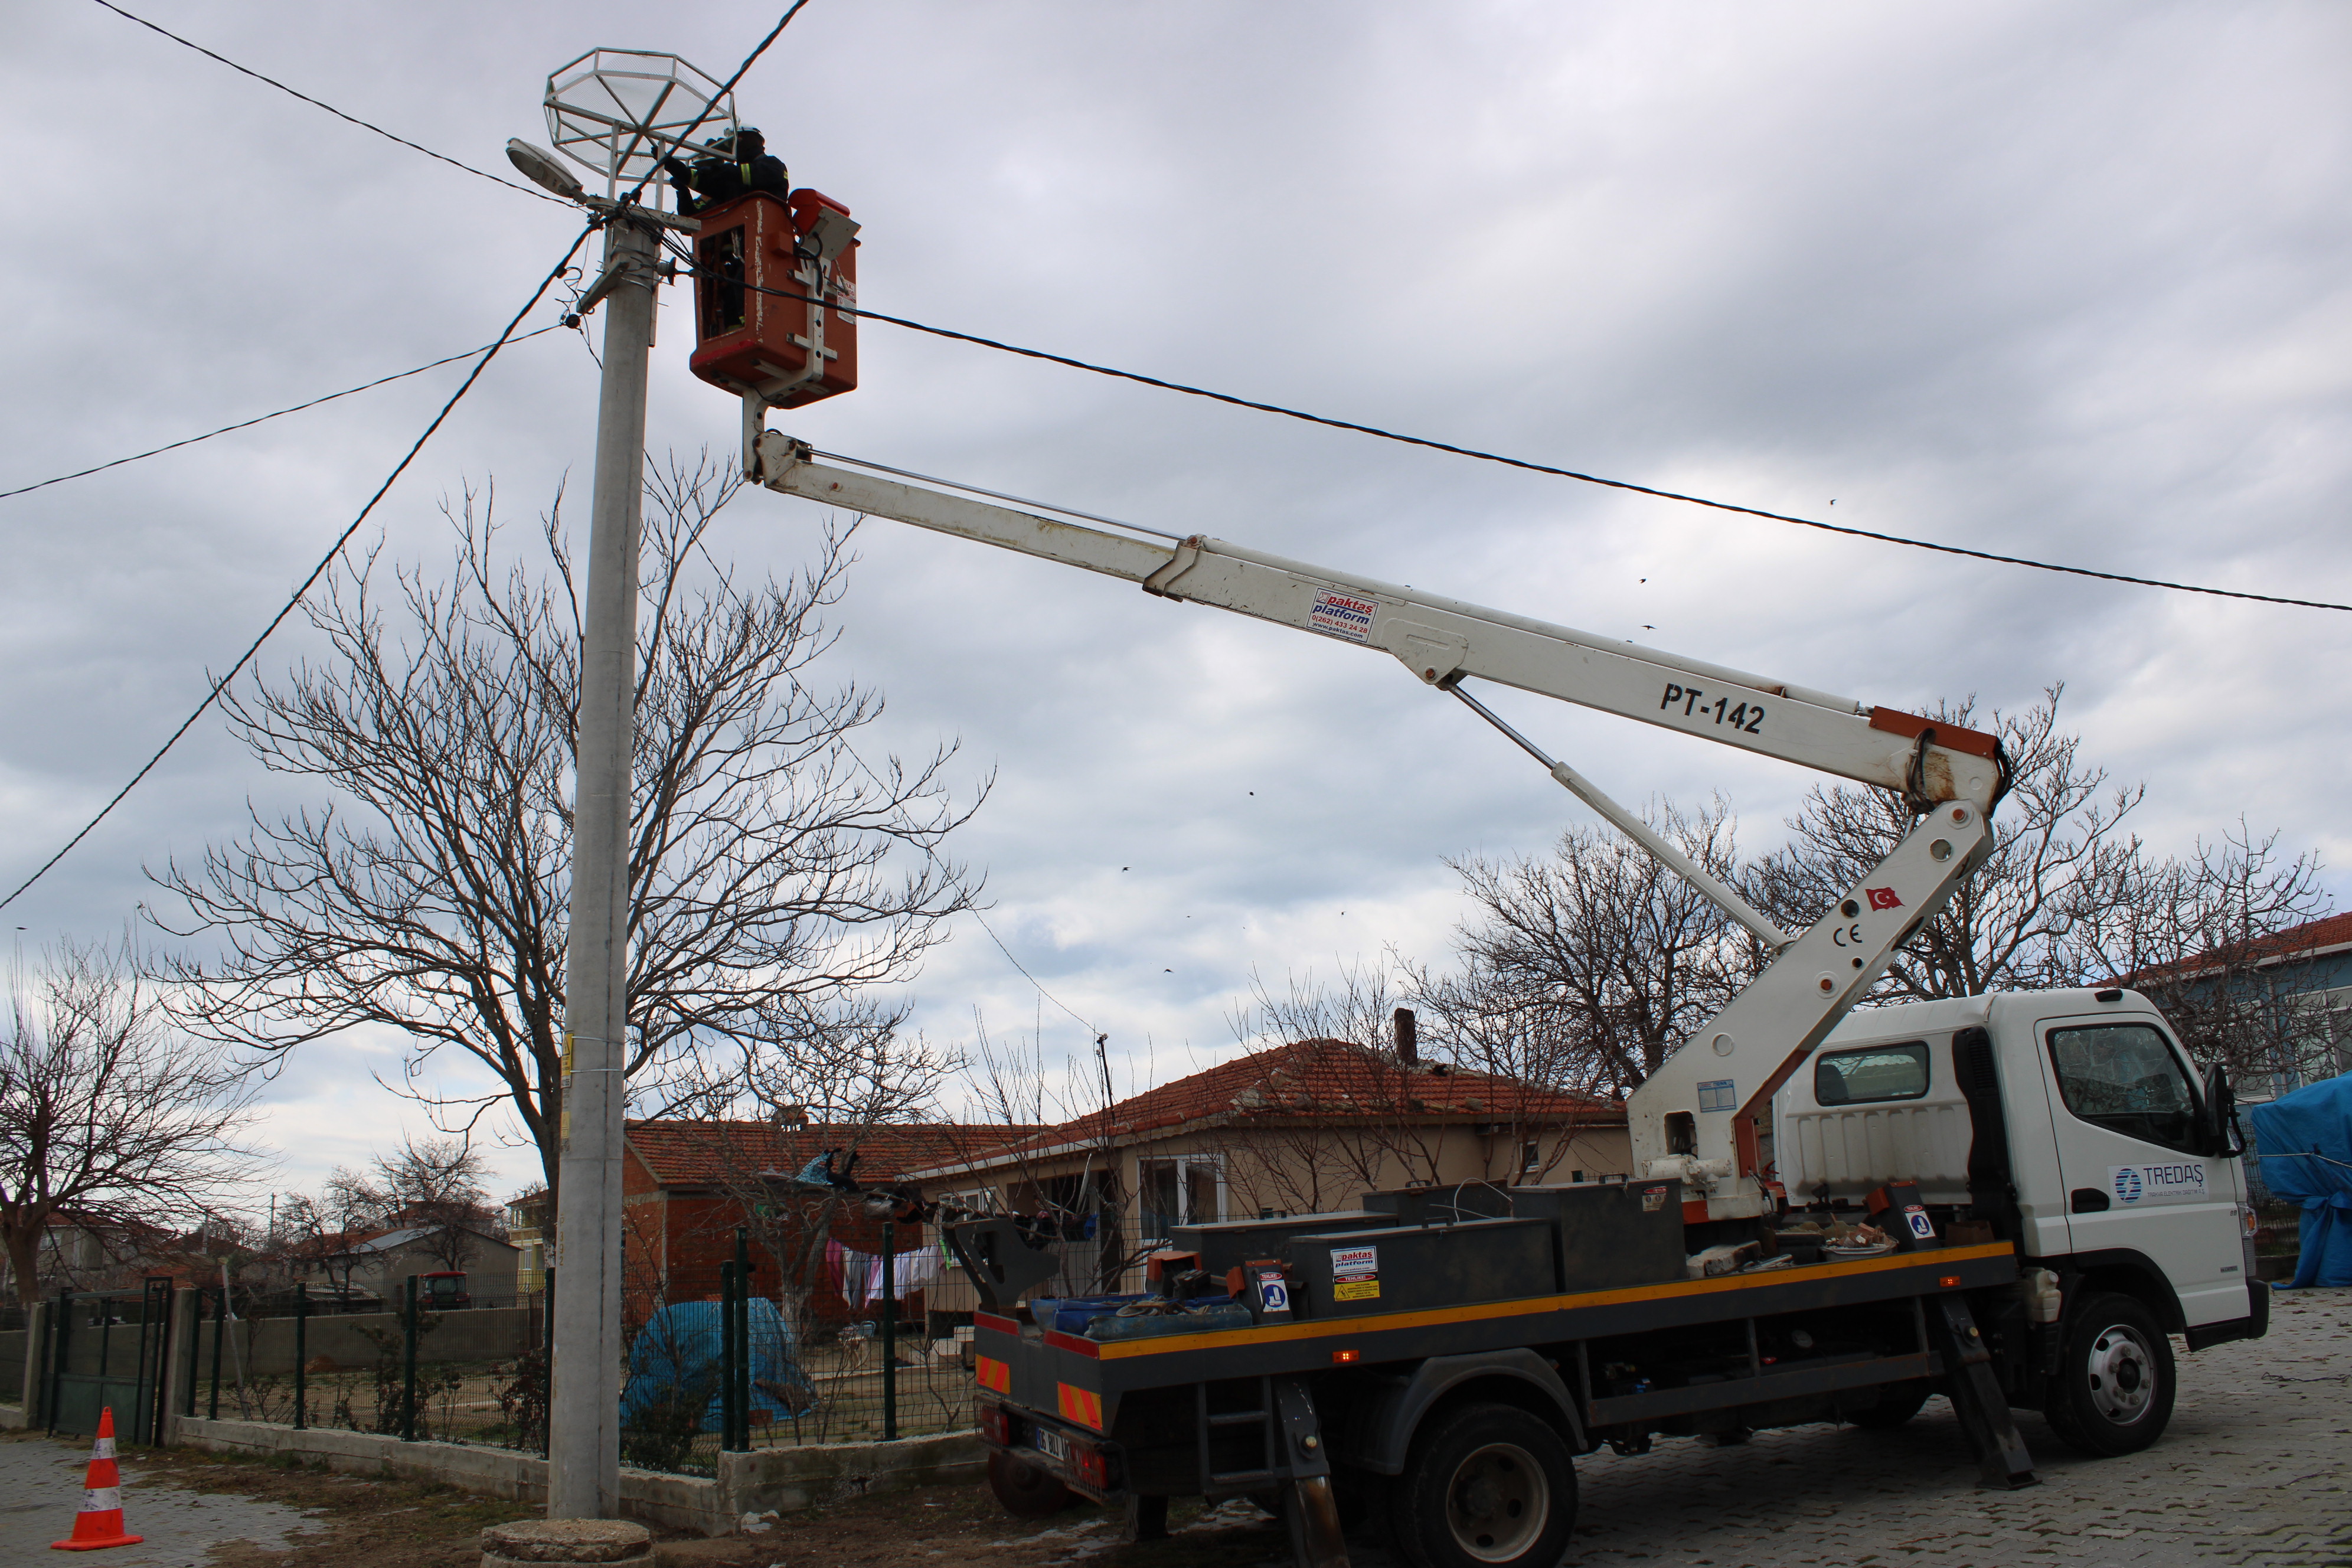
(1296, 1171)
(490, 1269)
(677, 1239)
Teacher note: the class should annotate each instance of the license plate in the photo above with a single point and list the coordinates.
(1053, 1445)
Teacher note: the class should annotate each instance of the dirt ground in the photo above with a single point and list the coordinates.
(371, 1524)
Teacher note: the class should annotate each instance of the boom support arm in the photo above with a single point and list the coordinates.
(1694, 1117)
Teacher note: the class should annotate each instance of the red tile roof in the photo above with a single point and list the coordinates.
(696, 1152)
(1323, 1079)
(2311, 937)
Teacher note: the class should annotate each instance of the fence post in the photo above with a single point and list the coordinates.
(889, 1333)
(409, 1375)
(58, 1361)
(301, 1353)
(727, 1356)
(220, 1327)
(742, 1339)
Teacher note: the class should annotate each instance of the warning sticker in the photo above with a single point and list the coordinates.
(1348, 615)
(1355, 1273)
(1653, 1199)
(1715, 1094)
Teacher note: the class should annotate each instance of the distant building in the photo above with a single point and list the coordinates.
(375, 1264)
(2278, 1008)
(531, 1226)
(1298, 1129)
(687, 1185)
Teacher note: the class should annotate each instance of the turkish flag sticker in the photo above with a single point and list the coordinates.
(1882, 897)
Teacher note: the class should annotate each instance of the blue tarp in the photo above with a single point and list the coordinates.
(2306, 1142)
(677, 1357)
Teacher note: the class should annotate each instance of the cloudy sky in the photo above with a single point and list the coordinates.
(2062, 282)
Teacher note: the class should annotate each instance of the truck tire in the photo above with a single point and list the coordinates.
(1897, 1403)
(2114, 1391)
(1026, 1491)
(1487, 1486)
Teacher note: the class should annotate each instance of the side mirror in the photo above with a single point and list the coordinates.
(2220, 1133)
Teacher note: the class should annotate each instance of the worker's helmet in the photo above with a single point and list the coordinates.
(749, 136)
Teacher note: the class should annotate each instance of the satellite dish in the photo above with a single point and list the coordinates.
(620, 112)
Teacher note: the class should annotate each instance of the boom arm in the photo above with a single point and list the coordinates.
(1694, 1117)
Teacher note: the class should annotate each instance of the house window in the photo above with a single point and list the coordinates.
(1187, 1190)
(1576, 1175)
(1531, 1157)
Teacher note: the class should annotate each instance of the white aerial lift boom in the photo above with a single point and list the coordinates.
(1694, 1118)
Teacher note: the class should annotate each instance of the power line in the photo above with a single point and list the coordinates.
(315, 103)
(1534, 468)
(724, 88)
(1328, 421)
(280, 413)
(487, 354)
(317, 571)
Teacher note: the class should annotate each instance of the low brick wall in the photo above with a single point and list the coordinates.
(779, 1481)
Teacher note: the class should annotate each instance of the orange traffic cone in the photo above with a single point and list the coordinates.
(100, 1523)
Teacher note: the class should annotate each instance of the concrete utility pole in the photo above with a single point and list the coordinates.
(617, 112)
(584, 1442)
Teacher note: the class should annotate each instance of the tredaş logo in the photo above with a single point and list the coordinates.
(2127, 1185)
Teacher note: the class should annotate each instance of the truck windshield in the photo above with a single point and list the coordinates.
(1875, 1072)
(2123, 1076)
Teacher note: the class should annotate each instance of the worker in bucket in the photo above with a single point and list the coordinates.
(732, 165)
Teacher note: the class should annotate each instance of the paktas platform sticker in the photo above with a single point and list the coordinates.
(1348, 615)
(1355, 1273)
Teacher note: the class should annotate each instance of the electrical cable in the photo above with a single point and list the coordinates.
(487, 354)
(280, 413)
(1534, 468)
(1373, 430)
(317, 571)
(355, 120)
(724, 88)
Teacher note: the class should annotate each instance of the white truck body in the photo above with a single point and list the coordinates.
(2101, 1132)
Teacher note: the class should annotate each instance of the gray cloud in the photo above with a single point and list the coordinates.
(2058, 283)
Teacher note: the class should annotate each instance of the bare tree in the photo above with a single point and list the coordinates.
(850, 1074)
(771, 873)
(435, 1185)
(1583, 969)
(2062, 862)
(1536, 1058)
(109, 1117)
(1326, 1155)
(2202, 937)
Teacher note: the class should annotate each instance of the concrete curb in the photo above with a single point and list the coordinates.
(767, 1481)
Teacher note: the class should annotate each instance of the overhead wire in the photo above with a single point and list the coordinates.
(1401, 438)
(278, 414)
(1404, 438)
(315, 103)
(487, 355)
(213, 695)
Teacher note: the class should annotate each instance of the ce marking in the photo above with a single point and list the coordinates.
(1847, 936)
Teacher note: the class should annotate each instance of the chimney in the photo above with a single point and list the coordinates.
(1407, 1042)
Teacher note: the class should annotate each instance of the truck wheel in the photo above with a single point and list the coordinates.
(2114, 1394)
(1897, 1403)
(1488, 1486)
(1026, 1491)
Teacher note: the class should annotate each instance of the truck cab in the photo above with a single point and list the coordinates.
(2071, 1121)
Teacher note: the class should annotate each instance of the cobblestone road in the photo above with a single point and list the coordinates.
(2252, 1471)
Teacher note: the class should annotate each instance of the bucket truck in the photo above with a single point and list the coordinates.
(2051, 1190)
